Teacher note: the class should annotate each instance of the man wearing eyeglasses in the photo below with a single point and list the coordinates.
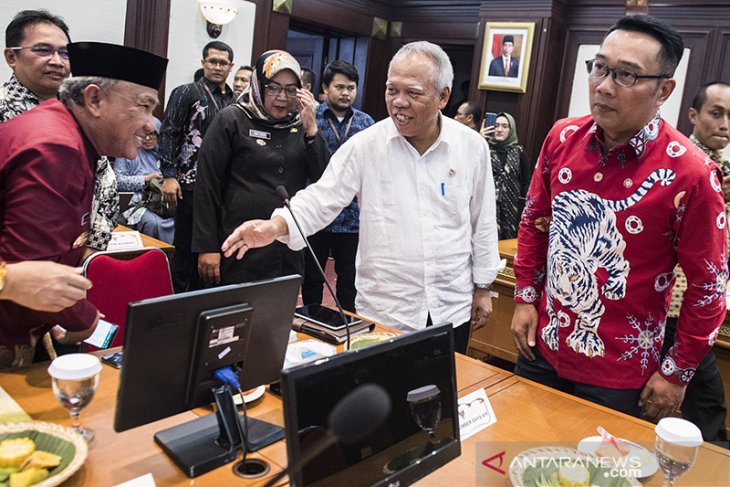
(617, 199)
(189, 112)
(36, 51)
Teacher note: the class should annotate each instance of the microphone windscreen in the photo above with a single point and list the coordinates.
(282, 193)
(359, 413)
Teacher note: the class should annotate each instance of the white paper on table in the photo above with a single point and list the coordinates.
(475, 413)
(145, 480)
(125, 241)
(307, 351)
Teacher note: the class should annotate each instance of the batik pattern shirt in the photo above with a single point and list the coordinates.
(680, 284)
(600, 235)
(16, 99)
(336, 133)
(189, 112)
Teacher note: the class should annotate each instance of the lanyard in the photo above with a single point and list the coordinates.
(217, 108)
(341, 140)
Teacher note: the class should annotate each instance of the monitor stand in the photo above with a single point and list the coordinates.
(211, 441)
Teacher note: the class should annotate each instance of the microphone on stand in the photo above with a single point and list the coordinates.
(282, 193)
(353, 418)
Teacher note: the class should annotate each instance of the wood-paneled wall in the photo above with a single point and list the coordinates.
(560, 27)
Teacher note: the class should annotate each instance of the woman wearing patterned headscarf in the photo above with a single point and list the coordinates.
(512, 171)
(266, 139)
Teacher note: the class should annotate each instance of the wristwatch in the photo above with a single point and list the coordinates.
(485, 287)
(3, 270)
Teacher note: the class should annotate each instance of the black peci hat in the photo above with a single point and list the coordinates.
(508, 38)
(117, 62)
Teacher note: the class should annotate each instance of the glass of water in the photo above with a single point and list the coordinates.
(677, 442)
(74, 378)
(425, 405)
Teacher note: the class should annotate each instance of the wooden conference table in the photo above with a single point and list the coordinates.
(528, 415)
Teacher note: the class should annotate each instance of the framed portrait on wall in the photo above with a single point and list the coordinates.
(506, 56)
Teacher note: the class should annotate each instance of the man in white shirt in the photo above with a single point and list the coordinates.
(428, 235)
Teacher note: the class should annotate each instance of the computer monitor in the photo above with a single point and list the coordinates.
(421, 432)
(172, 347)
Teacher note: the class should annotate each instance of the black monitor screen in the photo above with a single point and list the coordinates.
(170, 352)
(421, 432)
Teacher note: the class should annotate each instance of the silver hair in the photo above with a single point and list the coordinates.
(444, 76)
(72, 89)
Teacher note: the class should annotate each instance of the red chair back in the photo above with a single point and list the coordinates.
(117, 282)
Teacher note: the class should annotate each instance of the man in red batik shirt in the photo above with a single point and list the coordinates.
(617, 199)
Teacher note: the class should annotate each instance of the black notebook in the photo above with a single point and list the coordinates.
(327, 334)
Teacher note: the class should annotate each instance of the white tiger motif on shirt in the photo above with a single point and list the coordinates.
(583, 238)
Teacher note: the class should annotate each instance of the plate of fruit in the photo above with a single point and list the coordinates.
(40, 454)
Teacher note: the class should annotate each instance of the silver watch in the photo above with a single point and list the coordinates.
(486, 287)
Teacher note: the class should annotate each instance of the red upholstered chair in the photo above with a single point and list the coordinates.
(117, 282)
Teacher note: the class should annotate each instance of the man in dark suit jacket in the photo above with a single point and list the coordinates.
(498, 65)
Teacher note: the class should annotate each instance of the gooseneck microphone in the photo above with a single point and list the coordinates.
(282, 193)
(353, 418)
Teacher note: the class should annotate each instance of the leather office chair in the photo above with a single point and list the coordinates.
(117, 282)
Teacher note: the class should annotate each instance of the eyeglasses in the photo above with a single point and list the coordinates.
(217, 62)
(621, 76)
(44, 51)
(151, 135)
(273, 89)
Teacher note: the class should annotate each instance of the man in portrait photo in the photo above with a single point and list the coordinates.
(506, 65)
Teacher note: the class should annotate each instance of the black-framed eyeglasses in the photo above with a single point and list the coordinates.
(623, 77)
(44, 51)
(273, 89)
(217, 62)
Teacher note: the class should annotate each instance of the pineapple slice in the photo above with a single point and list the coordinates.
(28, 477)
(14, 452)
(41, 459)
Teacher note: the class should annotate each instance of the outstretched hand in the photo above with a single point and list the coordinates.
(45, 286)
(253, 234)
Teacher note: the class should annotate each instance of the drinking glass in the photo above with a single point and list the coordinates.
(74, 378)
(677, 442)
(425, 405)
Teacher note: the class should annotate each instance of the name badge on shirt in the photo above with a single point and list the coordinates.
(259, 134)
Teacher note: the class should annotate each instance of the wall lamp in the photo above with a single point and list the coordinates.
(218, 13)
